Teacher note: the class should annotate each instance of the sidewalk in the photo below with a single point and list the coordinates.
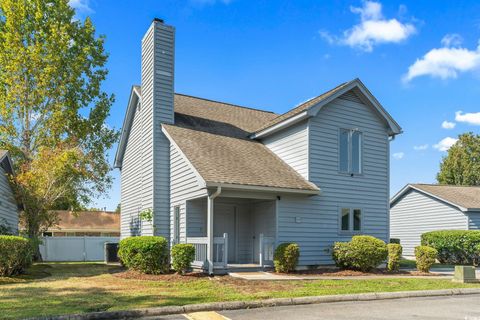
(438, 273)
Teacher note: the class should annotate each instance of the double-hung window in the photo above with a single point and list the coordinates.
(350, 219)
(350, 155)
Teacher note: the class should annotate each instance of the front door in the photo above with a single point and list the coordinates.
(224, 221)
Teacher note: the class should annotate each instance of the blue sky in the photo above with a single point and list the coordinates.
(419, 58)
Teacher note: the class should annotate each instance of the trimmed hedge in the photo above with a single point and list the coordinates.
(425, 257)
(394, 256)
(182, 257)
(15, 255)
(363, 253)
(454, 246)
(146, 254)
(285, 258)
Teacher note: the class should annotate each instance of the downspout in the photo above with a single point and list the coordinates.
(210, 201)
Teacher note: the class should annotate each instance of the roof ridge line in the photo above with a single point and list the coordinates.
(227, 103)
(444, 185)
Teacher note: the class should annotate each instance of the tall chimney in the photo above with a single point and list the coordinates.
(158, 48)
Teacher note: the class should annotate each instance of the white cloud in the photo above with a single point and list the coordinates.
(421, 147)
(470, 118)
(81, 6)
(398, 155)
(372, 30)
(452, 40)
(445, 144)
(448, 125)
(446, 62)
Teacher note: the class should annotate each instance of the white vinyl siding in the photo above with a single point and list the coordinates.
(291, 145)
(8, 206)
(131, 183)
(313, 222)
(184, 186)
(416, 213)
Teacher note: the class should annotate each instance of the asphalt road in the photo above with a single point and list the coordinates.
(454, 307)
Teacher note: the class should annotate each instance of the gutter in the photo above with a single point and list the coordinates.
(262, 189)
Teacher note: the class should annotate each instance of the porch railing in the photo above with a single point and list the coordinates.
(266, 246)
(220, 251)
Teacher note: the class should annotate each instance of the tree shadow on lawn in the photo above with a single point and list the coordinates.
(60, 271)
(23, 302)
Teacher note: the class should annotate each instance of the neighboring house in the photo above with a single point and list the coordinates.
(80, 236)
(419, 208)
(8, 205)
(85, 223)
(237, 181)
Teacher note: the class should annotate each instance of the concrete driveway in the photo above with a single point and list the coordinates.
(450, 307)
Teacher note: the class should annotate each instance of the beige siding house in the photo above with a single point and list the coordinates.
(236, 181)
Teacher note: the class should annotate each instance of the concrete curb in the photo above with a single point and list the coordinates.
(234, 305)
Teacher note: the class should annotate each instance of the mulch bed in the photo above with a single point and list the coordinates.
(130, 274)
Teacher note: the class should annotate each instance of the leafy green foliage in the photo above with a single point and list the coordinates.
(146, 254)
(461, 165)
(395, 240)
(394, 256)
(363, 253)
(5, 228)
(285, 258)
(52, 108)
(182, 257)
(15, 255)
(425, 257)
(454, 246)
(146, 215)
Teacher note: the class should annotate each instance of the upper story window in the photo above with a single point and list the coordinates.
(350, 151)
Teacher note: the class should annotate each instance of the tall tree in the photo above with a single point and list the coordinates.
(52, 108)
(461, 166)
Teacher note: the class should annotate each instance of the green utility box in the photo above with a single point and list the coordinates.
(465, 274)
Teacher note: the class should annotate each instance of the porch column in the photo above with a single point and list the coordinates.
(210, 200)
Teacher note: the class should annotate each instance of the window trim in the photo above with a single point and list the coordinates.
(350, 151)
(350, 230)
(176, 224)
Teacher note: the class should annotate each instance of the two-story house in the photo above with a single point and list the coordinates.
(237, 181)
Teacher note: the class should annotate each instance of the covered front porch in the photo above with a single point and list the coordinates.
(231, 232)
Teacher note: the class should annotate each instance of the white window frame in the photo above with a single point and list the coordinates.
(350, 219)
(350, 152)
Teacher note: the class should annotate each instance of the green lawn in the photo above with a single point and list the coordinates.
(53, 289)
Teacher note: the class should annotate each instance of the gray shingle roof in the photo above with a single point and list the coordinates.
(218, 117)
(225, 159)
(467, 197)
(302, 107)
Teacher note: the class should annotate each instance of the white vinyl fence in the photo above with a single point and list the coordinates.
(74, 248)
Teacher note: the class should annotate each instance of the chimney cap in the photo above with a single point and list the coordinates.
(158, 20)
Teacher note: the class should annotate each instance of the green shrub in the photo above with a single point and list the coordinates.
(425, 257)
(394, 256)
(15, 255)
(363, 253)
(182, 257)
(454, 246)
(285, 258)
(395, 240)
(146, 254)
